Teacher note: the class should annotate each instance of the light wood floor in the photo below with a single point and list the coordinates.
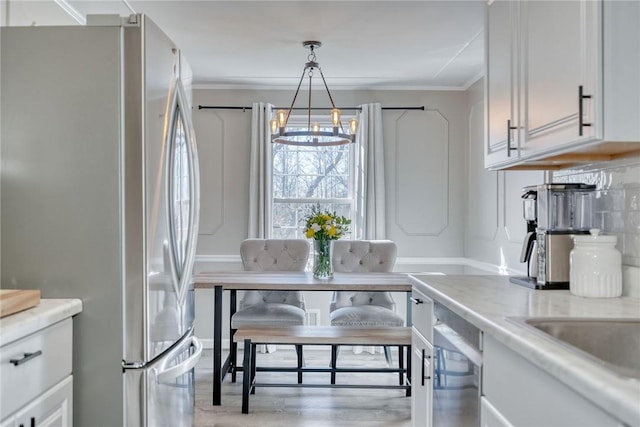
(304, 407)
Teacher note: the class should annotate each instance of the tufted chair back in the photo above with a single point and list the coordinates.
(363, 256)
(274, 255)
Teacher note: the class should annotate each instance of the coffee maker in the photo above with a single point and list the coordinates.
(562, 210)
(529, 252)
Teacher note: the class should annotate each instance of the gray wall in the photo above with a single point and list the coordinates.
(425, 195)
(425, 161)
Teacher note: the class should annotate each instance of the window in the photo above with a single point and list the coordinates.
(304, 176)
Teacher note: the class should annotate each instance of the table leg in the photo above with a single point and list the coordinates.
(233, 357)
(401, 364)
(217, 345)
(408, 378)
(409, 323)
(409, 309)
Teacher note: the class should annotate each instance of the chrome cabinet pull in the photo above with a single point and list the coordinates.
(416, 300)
(509, 129)
(25, 358)
(581, 97)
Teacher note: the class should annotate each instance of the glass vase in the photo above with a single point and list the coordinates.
(322, 267)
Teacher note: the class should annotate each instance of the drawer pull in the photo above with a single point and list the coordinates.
(26, 358)
(416, 300)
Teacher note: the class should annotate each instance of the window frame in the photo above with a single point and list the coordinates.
(297, 122)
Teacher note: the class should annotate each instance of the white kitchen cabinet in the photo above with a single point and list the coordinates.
(501, 82)
(570, 95)
(559, 54)
(421, 357)
(36, 382)
(516, 392)
(51, 409)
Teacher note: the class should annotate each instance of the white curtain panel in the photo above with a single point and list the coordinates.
(370, 194)
(260, 181)
(260, 172)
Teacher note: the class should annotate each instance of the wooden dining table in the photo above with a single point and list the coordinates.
(283, 281)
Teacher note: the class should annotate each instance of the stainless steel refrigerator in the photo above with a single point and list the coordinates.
(99, 201)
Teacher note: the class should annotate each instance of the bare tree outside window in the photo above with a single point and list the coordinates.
(305, 176)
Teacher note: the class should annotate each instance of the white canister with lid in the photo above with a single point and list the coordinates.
(595, 266)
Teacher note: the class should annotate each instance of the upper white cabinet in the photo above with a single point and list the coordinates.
(562, 82)
(501, 82)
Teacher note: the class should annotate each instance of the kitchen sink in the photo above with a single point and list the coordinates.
(615, 343)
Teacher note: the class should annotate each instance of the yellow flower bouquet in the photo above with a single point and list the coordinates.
(324, 226)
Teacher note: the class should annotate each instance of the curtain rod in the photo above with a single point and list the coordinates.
(216, 107)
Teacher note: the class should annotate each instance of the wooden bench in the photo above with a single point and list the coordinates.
(321, 335)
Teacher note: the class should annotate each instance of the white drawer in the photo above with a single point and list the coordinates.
(51, 409)
(26, 377)
(422, 314)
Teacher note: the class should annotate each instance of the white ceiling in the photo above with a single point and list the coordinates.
(365, 44)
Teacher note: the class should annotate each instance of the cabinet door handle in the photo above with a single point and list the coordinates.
(416, 300)
(581, 97)
(509, 129)
(424, 356)
(25, 358)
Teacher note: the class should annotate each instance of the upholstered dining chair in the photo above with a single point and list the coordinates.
(367, 309)
(271, 308)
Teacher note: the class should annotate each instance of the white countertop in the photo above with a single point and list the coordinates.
(486, 301)
(48, 312)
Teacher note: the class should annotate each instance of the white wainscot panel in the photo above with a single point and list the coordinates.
(483, 183)
(210, 140)
(422, 156)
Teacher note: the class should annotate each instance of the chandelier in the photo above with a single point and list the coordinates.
(313, 136)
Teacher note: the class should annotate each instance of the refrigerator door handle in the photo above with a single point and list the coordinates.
(194, 188)
(182, 273)
(169, 374)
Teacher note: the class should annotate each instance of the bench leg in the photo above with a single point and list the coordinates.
(299, 352)
(334, 361)
(234, 357)
(246, 376)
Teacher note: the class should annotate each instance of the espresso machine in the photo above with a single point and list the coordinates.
(562, 210)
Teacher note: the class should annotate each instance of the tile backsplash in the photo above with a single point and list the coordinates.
(616, 208)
